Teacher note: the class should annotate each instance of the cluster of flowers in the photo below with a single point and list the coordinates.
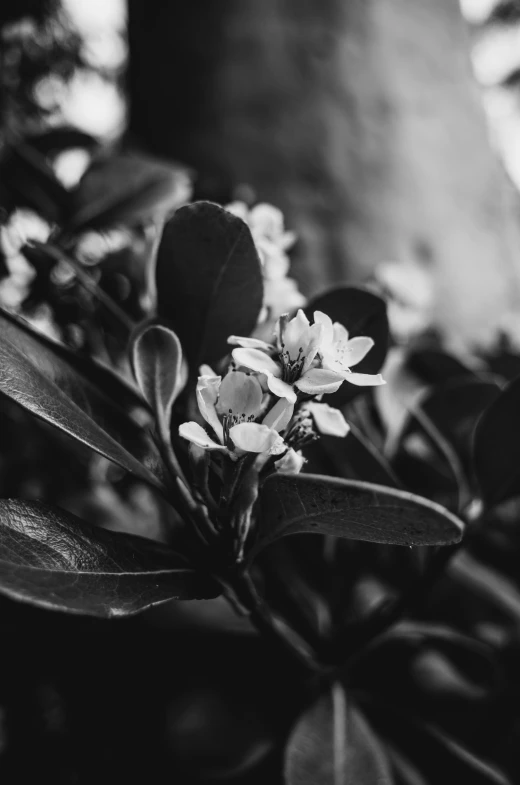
(269, 401)
(272, 242)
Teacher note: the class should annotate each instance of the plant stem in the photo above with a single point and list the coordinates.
(284, 639)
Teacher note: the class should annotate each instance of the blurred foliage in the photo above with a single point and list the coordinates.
(412, 651)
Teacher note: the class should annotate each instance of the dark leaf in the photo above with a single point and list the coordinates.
(157, 364)
(434, 453)
(430, 667)
(441, 757)
(332, 744)
(489, 585)
(434, 366)
(126, 189)
(353, 457)
(27, 180)
(362, 313)
(404, 772)
(55, 560)
(497, 447)
(455, 408)
(37, 374)
(209, 281)
(306, 503)
(55, 140)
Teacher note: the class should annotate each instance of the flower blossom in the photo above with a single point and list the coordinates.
(272, 242)
(231, 406)
(339, 352)
(312, 359)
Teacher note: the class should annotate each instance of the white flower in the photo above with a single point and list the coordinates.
(291, 363)
(339, 352)
(313, 358)
(290, 463)
(328, 421)
(282, 295)
(272, 242)
(409, 287)
(231, 407)
(266, 223)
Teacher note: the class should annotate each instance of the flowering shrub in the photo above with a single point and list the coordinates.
(282, 485)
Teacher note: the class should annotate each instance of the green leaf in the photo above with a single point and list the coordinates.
(332, 744)
(362, 313)
(157, 363)
(306, 503)
(497, 447)
(209, 280)
(36, 373)
(53, 559)
(126, 189)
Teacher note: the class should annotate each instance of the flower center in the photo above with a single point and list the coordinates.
(229, 420)
(291, 369)
(342, 352)
(301, 431)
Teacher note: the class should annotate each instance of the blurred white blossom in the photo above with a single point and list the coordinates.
(272, 241)
(409, 289)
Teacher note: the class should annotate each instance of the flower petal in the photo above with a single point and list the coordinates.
(240, 394)
(254, 437)
(296, 334)
(314, 340)
(196, 434)
(250, 343)
(267, 220)
(356, 349)
(328, 420)
(365, 379)
(281, 389)
(319, 380)
(279, 416)
(256, 360)
(207, 396)
(340, 333)
(327, 335)
(206, 370)
(276, 263)
(290, 463)
(240, 209)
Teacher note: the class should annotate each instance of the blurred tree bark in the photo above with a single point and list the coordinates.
(359, 118)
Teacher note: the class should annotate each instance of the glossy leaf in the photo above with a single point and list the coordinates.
(497, 447)
(362, 313)
(209, 280)
(306, 503)
(53, 559)
(126, 189)
(157, 364)
(332, 744)
(37, 374)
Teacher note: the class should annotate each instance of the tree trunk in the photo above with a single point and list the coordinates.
(359, 119)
